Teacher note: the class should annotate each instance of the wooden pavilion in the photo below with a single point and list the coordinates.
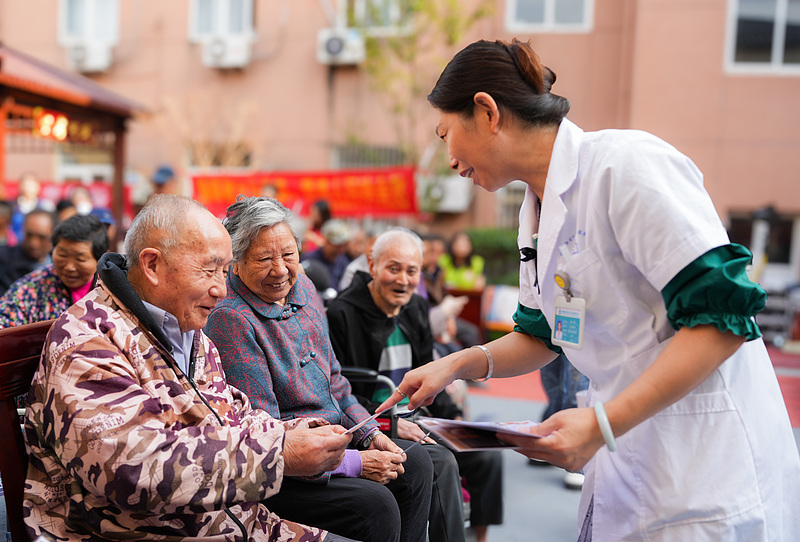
(38, 100)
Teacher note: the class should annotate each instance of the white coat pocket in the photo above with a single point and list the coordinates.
(681, 483)
(605, 305)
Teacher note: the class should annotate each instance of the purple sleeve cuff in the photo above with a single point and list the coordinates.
(351, 465)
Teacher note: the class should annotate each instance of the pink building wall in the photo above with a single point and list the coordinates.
(656, 65)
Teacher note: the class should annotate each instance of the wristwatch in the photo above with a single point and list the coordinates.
(367, 441)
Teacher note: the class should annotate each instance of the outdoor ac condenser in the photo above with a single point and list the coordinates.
(89, 57)
(340, 46)
(227, 52)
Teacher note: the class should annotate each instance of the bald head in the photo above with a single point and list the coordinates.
(395, 266)
(178, 255)
(164, 224)
(393, 238)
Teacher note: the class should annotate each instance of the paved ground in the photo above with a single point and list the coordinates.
(538, 508)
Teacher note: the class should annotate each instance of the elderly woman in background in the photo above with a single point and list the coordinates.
(78, 243)
(273, 340)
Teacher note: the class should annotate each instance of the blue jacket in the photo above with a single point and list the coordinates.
(266, 347)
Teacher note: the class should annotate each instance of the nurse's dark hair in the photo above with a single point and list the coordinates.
(511, 73)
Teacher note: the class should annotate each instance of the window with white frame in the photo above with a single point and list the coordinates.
(217, 18)
(509, 199)
(765, 35)
(377, 17)
(82, 21)
(549, 15)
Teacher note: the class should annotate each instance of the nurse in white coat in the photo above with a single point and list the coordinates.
(685, 436)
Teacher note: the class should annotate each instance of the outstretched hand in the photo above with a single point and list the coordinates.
(421, 385)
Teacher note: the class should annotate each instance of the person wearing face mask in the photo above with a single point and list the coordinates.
(78, 243)
(684, 435)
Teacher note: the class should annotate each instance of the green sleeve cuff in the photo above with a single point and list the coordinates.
(715, 289)
(532, 322)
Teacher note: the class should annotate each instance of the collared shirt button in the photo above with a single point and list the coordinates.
(313, 355)
(303, 363)
(294, 308)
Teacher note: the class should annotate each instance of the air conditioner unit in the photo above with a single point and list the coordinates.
(89, 57)
(340, 46)
(227, 52)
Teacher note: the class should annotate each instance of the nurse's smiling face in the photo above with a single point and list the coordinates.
(469, 143)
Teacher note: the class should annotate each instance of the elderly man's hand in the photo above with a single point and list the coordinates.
(380, 466)
(308, 451)
(410, 431)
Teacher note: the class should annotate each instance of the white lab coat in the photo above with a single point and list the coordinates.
(721, 464)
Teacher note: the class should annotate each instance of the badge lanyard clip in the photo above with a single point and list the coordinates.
(562, 279)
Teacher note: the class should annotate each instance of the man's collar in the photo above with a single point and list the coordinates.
(112, 270)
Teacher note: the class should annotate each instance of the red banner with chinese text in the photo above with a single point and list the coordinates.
(351, 193)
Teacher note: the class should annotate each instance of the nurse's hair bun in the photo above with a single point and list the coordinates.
(537, 75)
(511, 73)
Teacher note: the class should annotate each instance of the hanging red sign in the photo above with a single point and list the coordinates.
(354, 193)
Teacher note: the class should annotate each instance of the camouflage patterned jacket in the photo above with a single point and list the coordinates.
(123, 445)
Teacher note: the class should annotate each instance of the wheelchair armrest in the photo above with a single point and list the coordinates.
(361, 374)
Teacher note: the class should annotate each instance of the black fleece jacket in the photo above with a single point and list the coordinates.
(359, 330)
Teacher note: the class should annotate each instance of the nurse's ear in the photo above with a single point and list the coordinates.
(486, 111)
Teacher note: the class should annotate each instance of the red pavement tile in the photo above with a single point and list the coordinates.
(790, 386)
(783, 359)
(528, 387)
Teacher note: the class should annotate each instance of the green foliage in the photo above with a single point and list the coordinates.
(498, 246)
(404, 65)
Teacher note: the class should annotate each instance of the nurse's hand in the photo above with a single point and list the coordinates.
(423, 384)
(569, 439)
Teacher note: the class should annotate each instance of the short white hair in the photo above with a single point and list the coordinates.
(164, 213)
(391, 237)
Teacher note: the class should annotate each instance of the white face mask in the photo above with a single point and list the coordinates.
(84, 207)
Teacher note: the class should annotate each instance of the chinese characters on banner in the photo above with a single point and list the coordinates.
(350, 193)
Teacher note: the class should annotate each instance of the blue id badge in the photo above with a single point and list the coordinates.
(570, 317)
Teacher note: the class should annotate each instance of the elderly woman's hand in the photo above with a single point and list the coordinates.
(308, 451)
(380, 466)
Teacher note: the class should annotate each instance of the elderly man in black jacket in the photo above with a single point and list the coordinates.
(380, 323)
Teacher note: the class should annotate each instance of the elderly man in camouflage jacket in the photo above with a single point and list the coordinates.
(131, 428)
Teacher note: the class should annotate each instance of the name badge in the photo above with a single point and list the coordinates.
(570, 316)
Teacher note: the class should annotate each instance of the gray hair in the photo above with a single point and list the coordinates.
(394, 235)
(164, 213)
(248, 216)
